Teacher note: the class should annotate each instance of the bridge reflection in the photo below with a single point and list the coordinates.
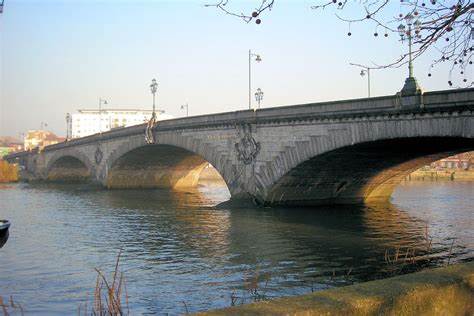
(169, 229)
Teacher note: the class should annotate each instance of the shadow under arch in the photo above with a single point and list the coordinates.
(157, 166)
(69, 169)
(361, 173)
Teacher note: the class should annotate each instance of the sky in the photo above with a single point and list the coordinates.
(58, 56)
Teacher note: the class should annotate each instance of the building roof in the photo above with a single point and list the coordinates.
(43, 134)
(8, 140)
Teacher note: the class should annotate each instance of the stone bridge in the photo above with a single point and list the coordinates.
(350, 151)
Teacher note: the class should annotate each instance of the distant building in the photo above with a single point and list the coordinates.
(89, 122)
(9, 144)
(40, 138)
(462, 161)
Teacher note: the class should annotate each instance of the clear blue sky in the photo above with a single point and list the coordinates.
(61, 55)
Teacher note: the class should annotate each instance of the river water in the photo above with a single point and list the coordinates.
(180, 253)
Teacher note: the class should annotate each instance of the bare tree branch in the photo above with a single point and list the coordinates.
(444, 26)
(264, 5)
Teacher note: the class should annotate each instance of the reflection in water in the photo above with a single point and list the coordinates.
(177, 247)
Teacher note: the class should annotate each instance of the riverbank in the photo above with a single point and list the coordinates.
(441, 175)
(8, 172)
(441, 291)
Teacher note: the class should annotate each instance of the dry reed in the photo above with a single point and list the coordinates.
(10, 306)
(110, 296)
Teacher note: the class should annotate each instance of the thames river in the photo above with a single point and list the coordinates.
(181, 253)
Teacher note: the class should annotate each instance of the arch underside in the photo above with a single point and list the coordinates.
(361, 173)
(156, 166)
(68, 169)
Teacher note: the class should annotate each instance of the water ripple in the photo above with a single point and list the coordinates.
(178, 248)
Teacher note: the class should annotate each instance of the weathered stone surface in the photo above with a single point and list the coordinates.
(156, 166)
(333, 152)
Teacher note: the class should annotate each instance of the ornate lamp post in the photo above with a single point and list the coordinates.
(149, 137)
(101, 101)
(257, 59)
(411, 86)
(258, 97)
(153, 88)
(185, 106)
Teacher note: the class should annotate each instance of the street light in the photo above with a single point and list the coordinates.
(187, 108)
(258, 96)
(363, 71)
(411, 85)
(149, 137)
(68, 129)
(101, 101)
(257, 59)
(153, 88)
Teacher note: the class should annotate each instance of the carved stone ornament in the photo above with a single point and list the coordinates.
(150, 126)
(247, 149)
(98, 155)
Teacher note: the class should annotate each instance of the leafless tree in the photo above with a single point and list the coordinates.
(225, 6)
(447, 27)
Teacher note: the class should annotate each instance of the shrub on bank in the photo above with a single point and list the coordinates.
(8, 172)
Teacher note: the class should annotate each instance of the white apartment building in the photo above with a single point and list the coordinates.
(88, 122)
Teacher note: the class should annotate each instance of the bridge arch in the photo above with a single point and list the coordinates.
(69, 166)
(175, 161)
(360, 163)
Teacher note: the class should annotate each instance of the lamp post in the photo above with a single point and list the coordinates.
(365, 70)
(411, 85)
(68, 127)
(101, 101)
(258, 97)
(153, 88)
(187, 108)
(149, 137)
(257, 59)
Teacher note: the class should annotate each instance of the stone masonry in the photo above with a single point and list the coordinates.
(350, 151)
